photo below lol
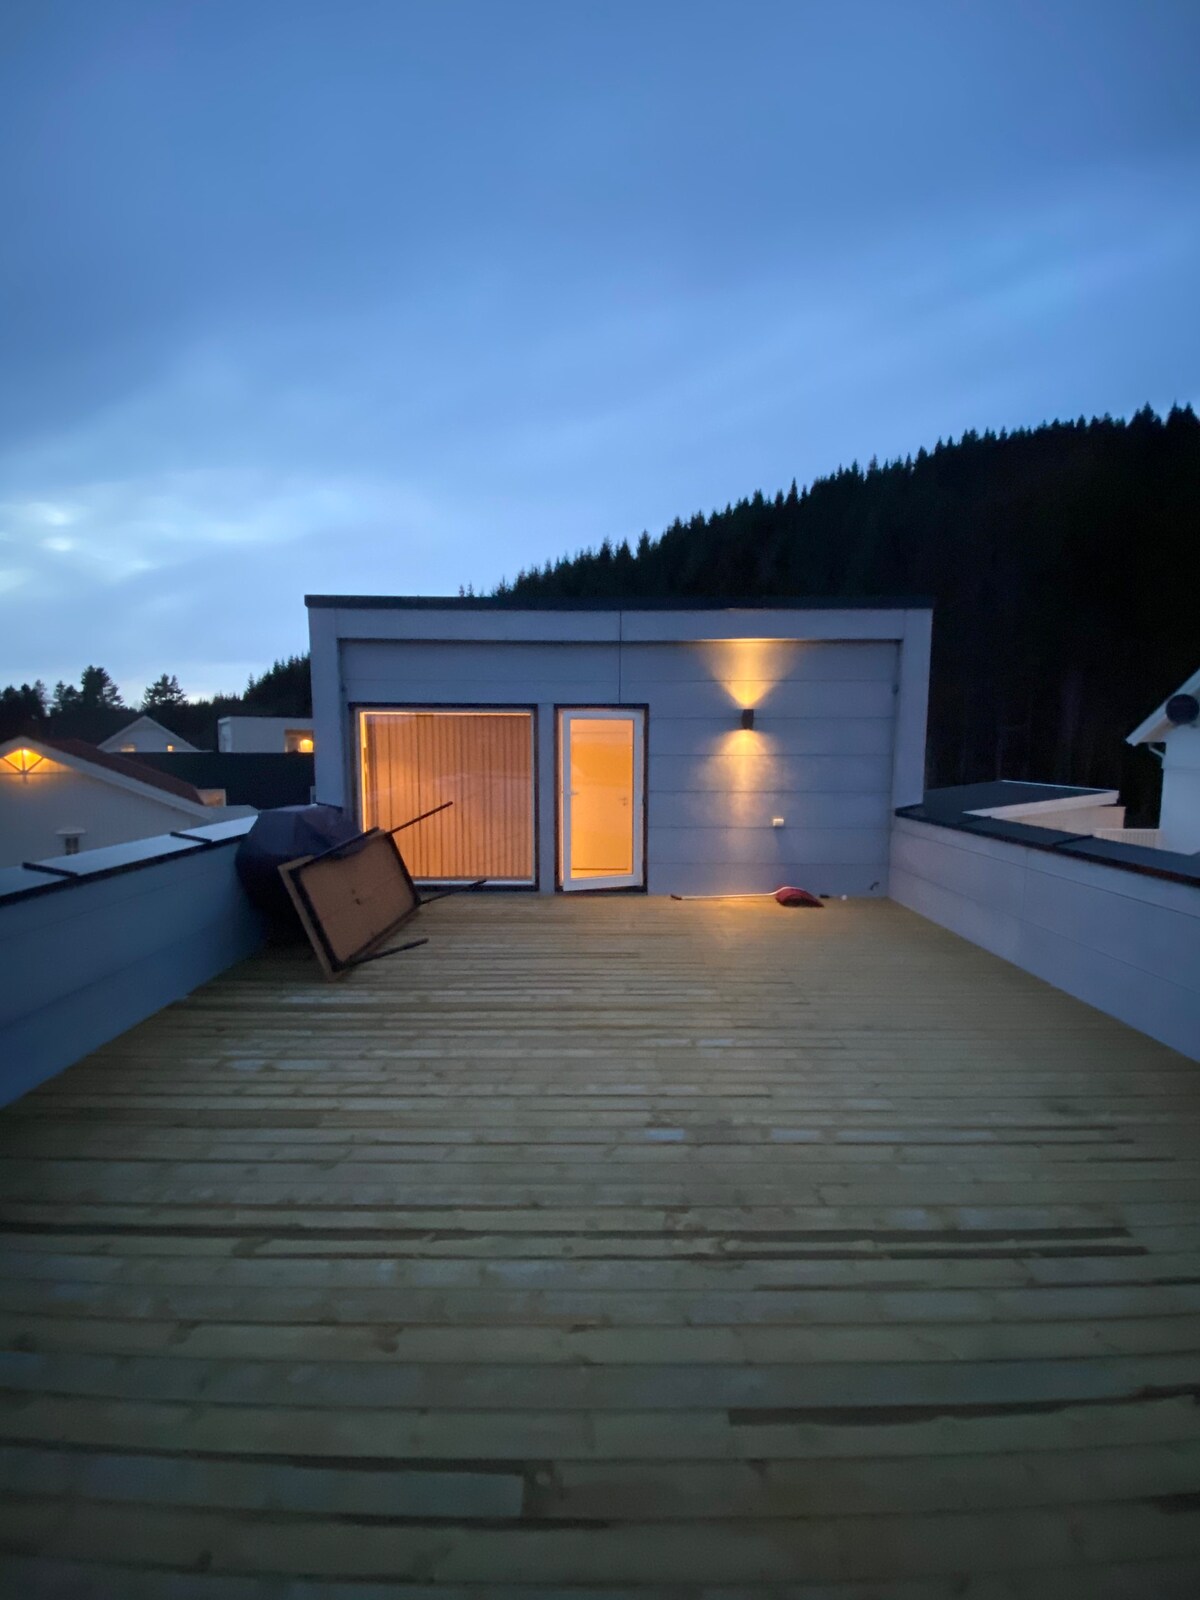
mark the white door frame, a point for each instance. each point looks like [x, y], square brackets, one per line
[562, 778]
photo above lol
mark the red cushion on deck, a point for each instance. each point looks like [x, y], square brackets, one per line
[789, 896]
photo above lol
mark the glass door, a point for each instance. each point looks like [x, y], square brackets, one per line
[601, 778]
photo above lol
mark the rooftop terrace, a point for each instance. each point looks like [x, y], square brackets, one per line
[619, 1246]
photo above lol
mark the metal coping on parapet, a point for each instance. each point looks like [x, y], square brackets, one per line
[433, 602]
[61, 877]
[1146, 861]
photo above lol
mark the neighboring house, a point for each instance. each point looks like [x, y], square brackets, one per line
[60, 796]
[1172, 733]
[141, 735]
[689, 748]
[261, 781]
[265, 735]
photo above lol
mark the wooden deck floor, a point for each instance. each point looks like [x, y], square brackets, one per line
[604, 1247]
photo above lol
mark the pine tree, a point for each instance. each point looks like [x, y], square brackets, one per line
[22, 710]
[66, 698]
[97, 691]
[164, 694]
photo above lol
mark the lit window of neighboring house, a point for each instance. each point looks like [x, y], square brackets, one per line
[297, 742]
[126, 749]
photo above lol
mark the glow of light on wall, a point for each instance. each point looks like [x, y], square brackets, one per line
[741, 742]
[305, 746]
[748, 669]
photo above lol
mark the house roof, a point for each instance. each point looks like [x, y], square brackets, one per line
[438, 602]
[1157, 725]
[91, 755]
[144, 722]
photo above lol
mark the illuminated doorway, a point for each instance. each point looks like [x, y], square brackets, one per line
[601, 799]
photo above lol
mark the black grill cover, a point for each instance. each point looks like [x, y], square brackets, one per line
[282, 835]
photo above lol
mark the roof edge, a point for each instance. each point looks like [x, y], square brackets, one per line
[1156, 726]
[1140, 859]
[80, 752]
[431, 602]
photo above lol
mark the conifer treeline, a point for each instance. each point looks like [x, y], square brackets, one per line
[95, 709]
[1061, 561]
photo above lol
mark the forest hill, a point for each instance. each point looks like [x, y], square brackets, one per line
[1058, 560]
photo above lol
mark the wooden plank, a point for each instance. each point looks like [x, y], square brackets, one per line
[615, 1246]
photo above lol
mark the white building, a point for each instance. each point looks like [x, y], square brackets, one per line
[265, 735]
[60, 796]
[1172, 732]
[684, 748]
[144, 734]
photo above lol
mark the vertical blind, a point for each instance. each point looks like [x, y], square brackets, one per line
[482, 760]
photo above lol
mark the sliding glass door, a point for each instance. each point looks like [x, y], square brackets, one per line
[482, 761]
[601, 777]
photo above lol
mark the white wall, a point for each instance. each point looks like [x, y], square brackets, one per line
[259, 735]
[1124, 942]
[1077, 819]
[822, 754]
[145, 734]
[1179, 813]
[84, 961]
[35, 805]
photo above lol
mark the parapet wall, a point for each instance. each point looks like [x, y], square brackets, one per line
[1124, 940]
[93, 943]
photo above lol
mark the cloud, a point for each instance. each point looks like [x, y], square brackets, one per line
[433, 298]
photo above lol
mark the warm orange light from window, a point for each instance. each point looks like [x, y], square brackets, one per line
[480, 760]
[305, 746]
[601, 797]
[23, 761]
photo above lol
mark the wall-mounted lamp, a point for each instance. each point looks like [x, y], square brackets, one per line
[748, 717]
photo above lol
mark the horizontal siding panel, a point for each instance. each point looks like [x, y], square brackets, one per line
[504, 627]
[382, 692]
[776, 661]
[787, 736]
[770, 700]
[833, 625]
[749, 808]
[989, 879]
[1148, 937]
[1098, 933]
[767, 845]
[987, 926]
[771, 774]
[1149, 1000]
[481, 672]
